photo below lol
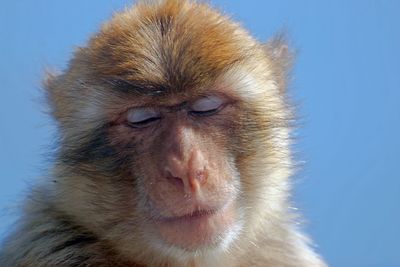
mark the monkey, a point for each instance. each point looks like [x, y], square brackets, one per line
[174, 149]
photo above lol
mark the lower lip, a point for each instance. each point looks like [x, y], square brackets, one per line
[196, 230]
[189, 218]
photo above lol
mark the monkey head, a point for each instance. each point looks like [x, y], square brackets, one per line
[174, 133]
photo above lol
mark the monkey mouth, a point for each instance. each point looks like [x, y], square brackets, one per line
[200, 228]
[195, 215]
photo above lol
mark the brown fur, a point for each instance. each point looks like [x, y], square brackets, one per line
[91, 212]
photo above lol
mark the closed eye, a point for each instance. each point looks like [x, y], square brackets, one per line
[142, 117]
[206, 106]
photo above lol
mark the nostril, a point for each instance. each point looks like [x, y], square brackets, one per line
[175, 180]
[201, 176]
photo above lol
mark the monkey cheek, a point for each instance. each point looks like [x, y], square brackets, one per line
[194, 232]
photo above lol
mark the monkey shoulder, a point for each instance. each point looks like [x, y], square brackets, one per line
[45, 236]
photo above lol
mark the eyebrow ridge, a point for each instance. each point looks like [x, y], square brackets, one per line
[137, 87]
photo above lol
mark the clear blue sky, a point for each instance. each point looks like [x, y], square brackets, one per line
[346, 82]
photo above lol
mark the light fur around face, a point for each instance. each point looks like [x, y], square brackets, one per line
[180, 187]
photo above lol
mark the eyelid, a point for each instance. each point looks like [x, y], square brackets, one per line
[207, 103]
[142, 115]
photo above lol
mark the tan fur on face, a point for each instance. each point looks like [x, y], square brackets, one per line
[106, 190]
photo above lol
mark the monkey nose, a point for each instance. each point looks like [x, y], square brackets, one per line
[190, 183]
[189, 176]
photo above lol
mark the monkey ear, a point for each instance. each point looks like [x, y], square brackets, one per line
[282, 58]
[54, 96]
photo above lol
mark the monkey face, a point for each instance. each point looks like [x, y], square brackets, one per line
[186, 176]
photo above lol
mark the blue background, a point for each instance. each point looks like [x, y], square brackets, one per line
[346, 82]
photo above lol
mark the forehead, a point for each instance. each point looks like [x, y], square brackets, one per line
[172, 47]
